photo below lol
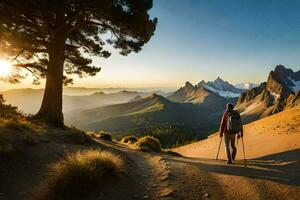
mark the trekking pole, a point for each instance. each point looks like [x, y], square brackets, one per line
[219, 148]
[244, 152]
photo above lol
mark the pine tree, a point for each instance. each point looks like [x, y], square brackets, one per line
[55, 39]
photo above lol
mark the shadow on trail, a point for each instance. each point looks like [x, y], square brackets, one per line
[281, 167]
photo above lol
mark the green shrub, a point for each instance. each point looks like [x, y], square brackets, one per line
[130, 139]
[105, 136]
[147, 143]
[80, 172]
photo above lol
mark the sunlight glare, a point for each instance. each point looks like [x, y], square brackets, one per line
[5, 68]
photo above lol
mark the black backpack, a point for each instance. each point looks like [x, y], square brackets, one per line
[234, 122]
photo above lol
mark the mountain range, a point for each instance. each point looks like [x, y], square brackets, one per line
[191, 111]
[29, 100]
[217, 90]
[279, 92]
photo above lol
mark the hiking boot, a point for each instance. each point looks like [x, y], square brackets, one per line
[233, 154]
[229, 162]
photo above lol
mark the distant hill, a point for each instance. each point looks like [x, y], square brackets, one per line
[154, 115]
[99, 99]
[29, 100]
[281, 91]
[136, 98]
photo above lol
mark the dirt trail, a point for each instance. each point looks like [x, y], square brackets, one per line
[170, 177]
[259, 180]
[163, 177]
[151, 172]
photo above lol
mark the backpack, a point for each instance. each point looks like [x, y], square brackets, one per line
[234, 122]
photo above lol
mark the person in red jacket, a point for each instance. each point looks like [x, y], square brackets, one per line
[229, 137]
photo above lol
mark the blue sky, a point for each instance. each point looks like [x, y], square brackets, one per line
[240, 41]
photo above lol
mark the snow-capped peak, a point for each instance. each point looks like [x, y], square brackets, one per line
[295, 87]
[226, 94]
[223, 88]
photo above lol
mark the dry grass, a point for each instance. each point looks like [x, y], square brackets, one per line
[18, 125]
[148, 143]
[14, 133]
[79, 173]
[130, 139]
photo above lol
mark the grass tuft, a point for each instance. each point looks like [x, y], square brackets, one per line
[105, 136]
[148, 143]
[81, 172]
[130, 139]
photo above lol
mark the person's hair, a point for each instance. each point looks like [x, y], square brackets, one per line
[229, 106]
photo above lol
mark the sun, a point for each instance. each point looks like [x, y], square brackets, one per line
[5, 68]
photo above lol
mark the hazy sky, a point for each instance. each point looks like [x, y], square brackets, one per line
[240, 41]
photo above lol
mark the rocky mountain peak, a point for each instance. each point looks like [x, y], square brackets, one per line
[281, 73]
[273, 96]
[188, 85]
[283, 81]
[201, 83]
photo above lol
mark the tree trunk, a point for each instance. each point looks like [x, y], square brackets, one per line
[51, 108]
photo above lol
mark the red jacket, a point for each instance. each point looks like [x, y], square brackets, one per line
[223, 126]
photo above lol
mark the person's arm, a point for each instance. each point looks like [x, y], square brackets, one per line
[223, 124]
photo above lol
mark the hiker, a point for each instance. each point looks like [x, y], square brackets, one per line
[231, 125]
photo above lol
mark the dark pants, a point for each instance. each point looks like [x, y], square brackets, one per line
[230, 141]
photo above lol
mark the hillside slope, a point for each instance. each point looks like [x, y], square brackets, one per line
[274, 134]
[154, 115]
